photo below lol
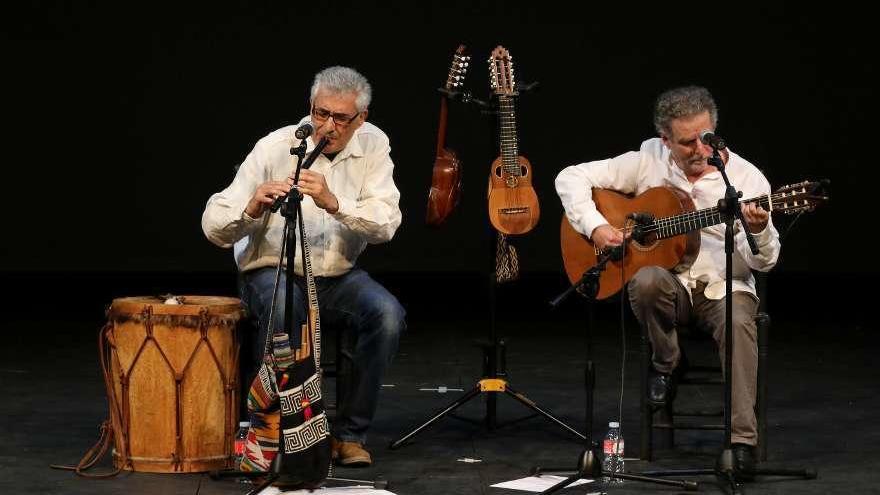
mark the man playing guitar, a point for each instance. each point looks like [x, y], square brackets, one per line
[661, 300]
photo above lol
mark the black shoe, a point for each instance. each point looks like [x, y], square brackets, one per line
[661, 388]
[743, 461]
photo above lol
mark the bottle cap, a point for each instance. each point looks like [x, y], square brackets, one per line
[614, 424]
[244, 424]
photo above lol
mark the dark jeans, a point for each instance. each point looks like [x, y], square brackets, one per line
[353, 302]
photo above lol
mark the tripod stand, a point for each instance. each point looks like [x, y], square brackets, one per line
[493, 382]
[725, 468]
[588, 465]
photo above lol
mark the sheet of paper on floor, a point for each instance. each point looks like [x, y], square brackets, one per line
[336, 490]
[536, 483]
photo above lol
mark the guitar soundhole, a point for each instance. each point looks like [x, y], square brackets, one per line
[648, 243]
[498, 172]
[510, 181]
[523, 171]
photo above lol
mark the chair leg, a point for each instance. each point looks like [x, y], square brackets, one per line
[647, 416]
[763, 323]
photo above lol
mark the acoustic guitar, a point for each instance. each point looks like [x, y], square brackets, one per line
[667, 234]
[513, 204]
[445, 189]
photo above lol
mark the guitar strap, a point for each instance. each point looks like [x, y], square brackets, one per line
[285, 401]
[506, 261]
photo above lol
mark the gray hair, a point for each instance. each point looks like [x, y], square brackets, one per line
[683, 102]
[339, 79]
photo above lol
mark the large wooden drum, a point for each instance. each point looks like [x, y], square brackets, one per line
[172, 380]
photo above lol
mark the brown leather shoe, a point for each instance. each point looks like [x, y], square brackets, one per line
[349, 454]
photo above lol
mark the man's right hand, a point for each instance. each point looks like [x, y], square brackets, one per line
[265, 195]
[606, 236]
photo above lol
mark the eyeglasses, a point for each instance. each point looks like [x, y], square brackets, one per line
[340, 119]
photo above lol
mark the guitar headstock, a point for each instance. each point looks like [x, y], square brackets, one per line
[458, 69]
[801, 196]
[501, 72]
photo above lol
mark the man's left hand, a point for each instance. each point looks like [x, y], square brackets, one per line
[313, 184]
[755, 216]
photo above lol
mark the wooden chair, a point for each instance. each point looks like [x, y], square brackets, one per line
[667, 419]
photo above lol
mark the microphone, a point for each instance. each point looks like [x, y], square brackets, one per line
[712, 139]
[305, 130]
[641, 217]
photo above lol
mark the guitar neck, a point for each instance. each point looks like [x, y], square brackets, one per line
[441, 129]
[507, 132]
[686, 222]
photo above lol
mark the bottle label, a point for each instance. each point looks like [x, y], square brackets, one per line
[608, 446]
[239, 446]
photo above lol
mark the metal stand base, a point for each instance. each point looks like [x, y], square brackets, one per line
[589, 467]
[727, 473]
[279, 480]
[491, 386]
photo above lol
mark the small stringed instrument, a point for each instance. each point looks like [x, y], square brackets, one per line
[671, 238]
[445, 189]
[513, 204]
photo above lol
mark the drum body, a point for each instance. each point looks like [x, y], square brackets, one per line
[172, 379]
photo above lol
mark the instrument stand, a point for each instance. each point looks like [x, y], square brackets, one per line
[725, 469]
[291, 209]
[494, 352]
[589, 466]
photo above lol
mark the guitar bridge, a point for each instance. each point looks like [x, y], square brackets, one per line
[514, 211]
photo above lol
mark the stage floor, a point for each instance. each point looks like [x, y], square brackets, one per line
[822, 410]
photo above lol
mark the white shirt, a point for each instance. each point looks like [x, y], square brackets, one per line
[360, 176]
[652, 166]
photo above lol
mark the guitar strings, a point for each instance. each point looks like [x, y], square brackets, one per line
[673, 225]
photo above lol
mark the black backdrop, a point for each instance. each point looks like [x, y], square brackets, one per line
[122, 120]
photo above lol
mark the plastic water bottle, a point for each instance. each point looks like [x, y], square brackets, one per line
[240, 439]
[612, 461]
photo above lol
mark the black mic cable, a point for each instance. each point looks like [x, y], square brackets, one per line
[627, 224]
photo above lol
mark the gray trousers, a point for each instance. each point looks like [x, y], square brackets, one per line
[661, 305]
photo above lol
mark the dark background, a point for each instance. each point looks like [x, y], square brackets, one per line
[122, 118]
[125, 119]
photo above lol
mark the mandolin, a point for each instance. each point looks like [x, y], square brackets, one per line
[670, 237]
[445, 189]
[513, 204]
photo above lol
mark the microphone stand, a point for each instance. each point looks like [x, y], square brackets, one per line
[589, 465]
[725, 468]
[291, 209]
